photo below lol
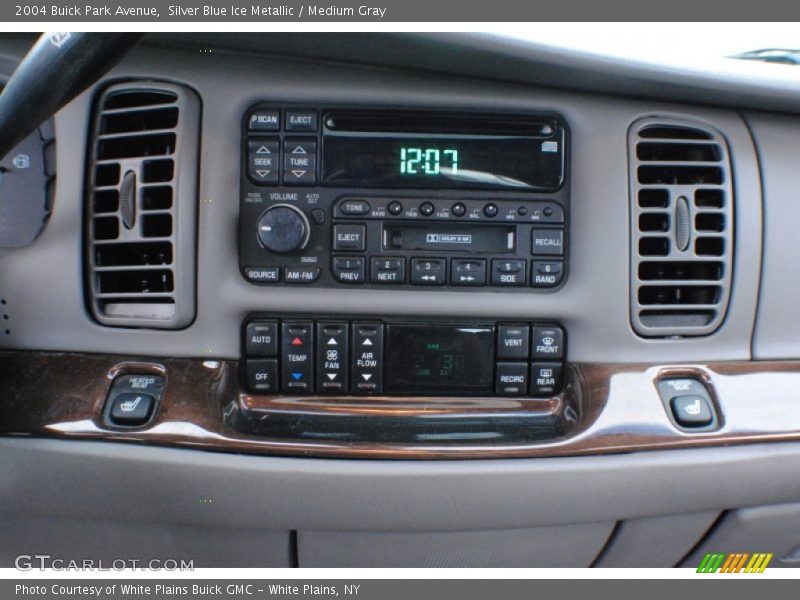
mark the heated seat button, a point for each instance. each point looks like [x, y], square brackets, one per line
[468, 271]
[262, 338]
[297, 350]
[545, 378]
[511, 379]
[692, 411]
[332, 357]
[512, 342]
[262, 375]
[508, 272]
[131, 408]
[548, 343]
[428, 271]
[367, 359]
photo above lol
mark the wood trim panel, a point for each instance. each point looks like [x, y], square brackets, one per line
[606, 408]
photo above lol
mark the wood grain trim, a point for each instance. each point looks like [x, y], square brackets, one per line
[61, 395]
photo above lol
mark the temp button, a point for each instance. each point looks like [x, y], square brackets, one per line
[297, 351]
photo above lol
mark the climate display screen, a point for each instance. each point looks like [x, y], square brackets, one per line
[445, 359]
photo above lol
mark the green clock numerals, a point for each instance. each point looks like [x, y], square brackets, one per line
[427, 161]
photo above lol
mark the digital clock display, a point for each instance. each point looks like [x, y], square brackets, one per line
[442, 161]
[445, 359]
[428, 161]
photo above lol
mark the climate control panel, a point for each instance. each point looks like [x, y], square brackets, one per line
[344, 357]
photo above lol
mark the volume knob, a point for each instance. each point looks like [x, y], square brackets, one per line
[283, 228]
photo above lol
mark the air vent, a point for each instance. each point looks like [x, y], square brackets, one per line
[142, 206]
[682, 228]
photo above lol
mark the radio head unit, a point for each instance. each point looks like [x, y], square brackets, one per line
[415, 199]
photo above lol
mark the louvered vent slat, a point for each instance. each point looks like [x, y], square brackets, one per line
[682, 224]
[142, 205]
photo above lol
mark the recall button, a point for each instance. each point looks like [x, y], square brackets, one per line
[548, 241]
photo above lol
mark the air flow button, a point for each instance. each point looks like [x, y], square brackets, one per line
[367, 365]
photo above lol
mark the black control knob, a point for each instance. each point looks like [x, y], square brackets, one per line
[283, 229]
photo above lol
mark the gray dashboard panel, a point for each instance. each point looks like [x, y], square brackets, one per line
[141, 484]
[43, 284]
[777, 333]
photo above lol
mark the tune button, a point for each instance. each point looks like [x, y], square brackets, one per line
[426, 209]
[458, 210]
[490, 210]
[394, 208]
